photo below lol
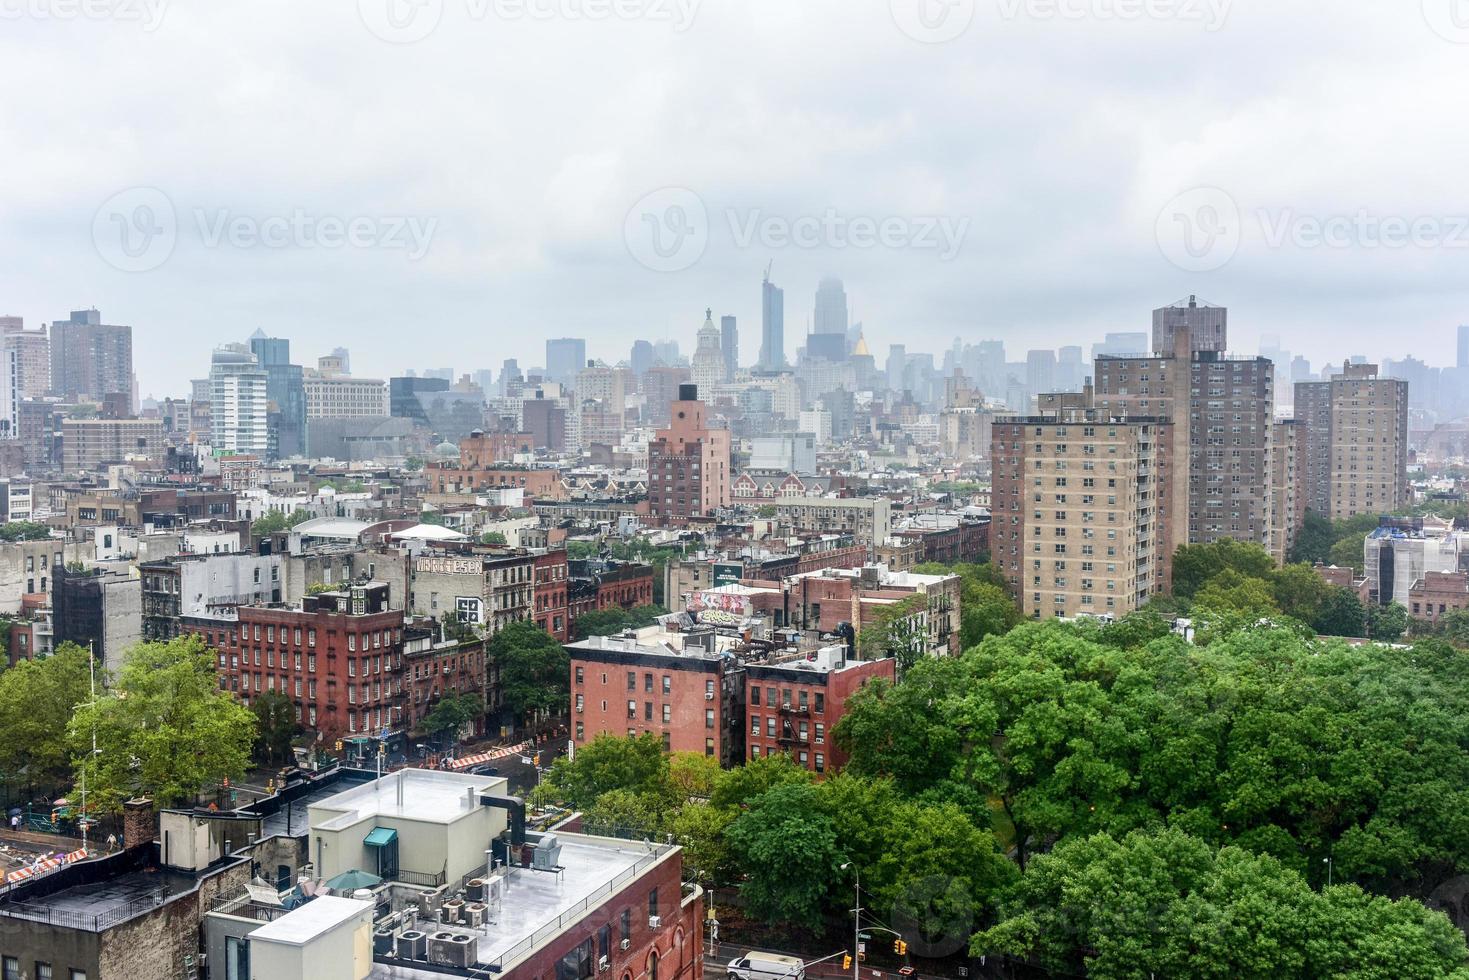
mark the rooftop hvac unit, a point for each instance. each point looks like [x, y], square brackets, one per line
[475, 890]
[458, 949]
[547, 855]
[450, 912]
[382, 942]
[494, 890]
[413, 945]
[473, 914]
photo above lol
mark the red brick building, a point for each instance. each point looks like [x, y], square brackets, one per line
[339, 658]
[688, 465]
[714, 695]
[687, 697]
[597, 585]
[434, 668]
[1437, 594]
[792, 706]
[552, 610]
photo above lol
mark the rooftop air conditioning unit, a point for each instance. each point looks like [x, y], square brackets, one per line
[458, 949]
[413, 945]
[473, 914]
[655, 921]
[494, 888]
[624, 944]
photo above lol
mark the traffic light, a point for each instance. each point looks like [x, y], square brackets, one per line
[339, 745]
[846, 961]
[900, 947]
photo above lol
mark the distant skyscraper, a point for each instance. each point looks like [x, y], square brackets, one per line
[90, 359]
[897, 367]
[665, 352]
[32, 355]
[345, 356]
[772, 325]
[1121, 345]
[509, 375]
[831, 307]
[1040, 372]
[239, 402]
[729, 346]
[1463, 361]
[642, 357]
[1070, 369]
[286, 392]
[565, 356]
[1208, 326]
[708, 362]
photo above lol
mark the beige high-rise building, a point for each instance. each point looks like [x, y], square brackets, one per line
[1081, 523]
[1355, 452]
[32, 356]
[1285, 490]
[1223, 408]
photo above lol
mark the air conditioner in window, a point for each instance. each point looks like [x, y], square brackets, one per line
[708, 695]
[603, 964]
[655, 921]
[624, 944]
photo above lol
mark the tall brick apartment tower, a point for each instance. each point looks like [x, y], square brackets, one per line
[688, 464]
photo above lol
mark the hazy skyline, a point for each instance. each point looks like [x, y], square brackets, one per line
[452, 183]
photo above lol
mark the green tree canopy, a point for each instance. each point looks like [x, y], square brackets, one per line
[453, 712]
[1342, 613]
[164, 728]
[1163, 904]
[275, 722]
[534, 668]
[24, 531]
[1265, 738]
[276, 521]
[610, 622]
[37, 698]
[636, 765]
[1195, 564]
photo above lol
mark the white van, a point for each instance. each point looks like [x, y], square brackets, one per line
[766, 966]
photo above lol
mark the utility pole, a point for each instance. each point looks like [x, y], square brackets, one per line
[856, 922]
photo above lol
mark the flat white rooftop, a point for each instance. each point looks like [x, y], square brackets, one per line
[594, 869]
[423, 795]
[299, 927]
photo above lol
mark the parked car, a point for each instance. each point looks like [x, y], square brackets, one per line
[754, 965]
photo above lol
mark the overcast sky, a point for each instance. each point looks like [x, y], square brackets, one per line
[450, 182]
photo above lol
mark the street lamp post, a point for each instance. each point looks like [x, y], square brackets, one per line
[1327, 861]
[856, 921]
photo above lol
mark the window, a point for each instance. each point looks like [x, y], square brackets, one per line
[647, 710]
[625, 925]
[754, 724]
[10, 968]
[43, 970]
[755, 697]
[667, 684]
[632, 709]
[708, 717]
[709, 746]
[653, 902]
[667, 713]
[820, 734]
[632, 680]
[647, 683]
[579, 675]
[820, 702]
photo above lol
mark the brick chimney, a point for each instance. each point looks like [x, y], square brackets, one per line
[139, 822]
